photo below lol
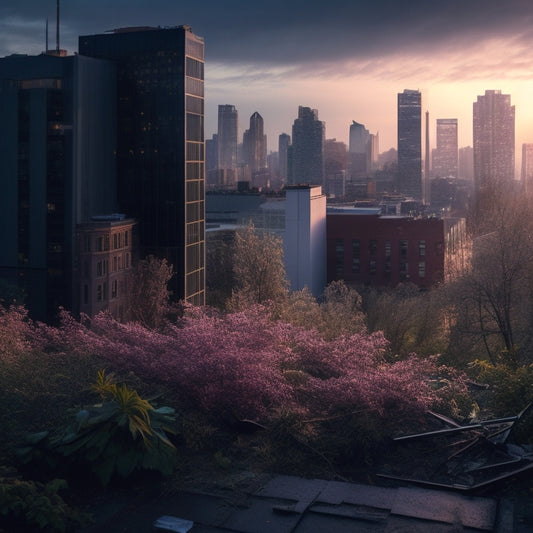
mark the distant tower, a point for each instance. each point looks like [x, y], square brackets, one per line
[426, 183]
[527, 169]
[358, 150]
[255, 144]
[494, 141]
[227, 138]
[410, 143]
[445, 157]
[284, 142]
[308, 137]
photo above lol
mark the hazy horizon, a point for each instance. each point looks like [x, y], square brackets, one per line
[347, 60]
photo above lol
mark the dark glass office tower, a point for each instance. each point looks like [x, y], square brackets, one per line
[160, 144]
[58, 169]
[410, 143]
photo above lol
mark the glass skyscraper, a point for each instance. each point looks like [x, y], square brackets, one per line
[445, 156]
[494, 140]
[160, 144]
[410, 143]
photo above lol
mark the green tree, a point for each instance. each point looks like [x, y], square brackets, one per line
[258, 268]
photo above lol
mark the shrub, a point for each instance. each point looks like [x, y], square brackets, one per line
[121, 435]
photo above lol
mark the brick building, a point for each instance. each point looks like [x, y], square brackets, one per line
[365, 248]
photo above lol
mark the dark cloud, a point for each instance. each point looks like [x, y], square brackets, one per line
[280, 32]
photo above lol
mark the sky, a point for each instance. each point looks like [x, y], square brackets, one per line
[346, 58]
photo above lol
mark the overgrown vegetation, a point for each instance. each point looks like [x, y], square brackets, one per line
[322, 382]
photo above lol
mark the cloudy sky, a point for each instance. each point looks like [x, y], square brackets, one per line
[346, 58]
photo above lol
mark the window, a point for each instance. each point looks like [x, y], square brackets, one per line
[422, 248]
[99, 293]
[403, 248]
[126, 238]
[114, 289]
[356, 265]
[373, 267]
[373, 247]
[422, 269]
[99, 244]
[99, 269]
[339, 257]
[404, 270]
[115, 241]
[387, 249]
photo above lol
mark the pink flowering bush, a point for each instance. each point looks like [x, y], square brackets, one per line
[245, 366]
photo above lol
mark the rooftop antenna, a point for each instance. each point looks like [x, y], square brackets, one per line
[57, 27]
[46, 35]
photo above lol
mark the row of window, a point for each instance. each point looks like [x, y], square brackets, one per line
[102, 291]
[102, 267]
[103, 243]
[373, 247]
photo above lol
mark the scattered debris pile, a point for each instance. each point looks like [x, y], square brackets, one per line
[465, 457]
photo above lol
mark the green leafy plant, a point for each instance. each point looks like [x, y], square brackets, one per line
[34, 506]
[122, 434]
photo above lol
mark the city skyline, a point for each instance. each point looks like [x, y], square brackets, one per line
[348, 61]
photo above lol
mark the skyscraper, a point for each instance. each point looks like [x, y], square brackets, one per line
[57, 151]
[358, 150]
[284, 141]
[445, 156]
[527, 168]
[307, 151]
[494, 140]
[254, 144]
[160, 147]
[410, 143]
[228, 120]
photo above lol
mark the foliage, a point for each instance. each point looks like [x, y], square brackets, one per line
[337, 313]
[258, 268]
[148, 294]
[33, 506]
[494, 298]
[511, 386]
[104, 436]
[411, 320]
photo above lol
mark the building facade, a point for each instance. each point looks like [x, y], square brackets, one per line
[358, 151]
[445, 155]
[494, 141]
[307, 150]
[160, 147]
[284, 141]
[526, 175]
[105, 257]
[375, 250]
[304, 240]
[58, 169]
[228, 123]
[410, 144]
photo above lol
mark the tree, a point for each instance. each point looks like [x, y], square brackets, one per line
[494, 299]
[258, 268]
[148, 294]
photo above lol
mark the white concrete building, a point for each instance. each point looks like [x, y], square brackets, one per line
[305, 238]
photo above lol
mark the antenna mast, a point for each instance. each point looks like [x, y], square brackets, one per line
[46, 35]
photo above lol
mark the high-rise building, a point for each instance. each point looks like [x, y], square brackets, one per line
[307, 151]
[527, 168]
[445, 156]
[254, 144]
[228, 122]
[466, 163]
[410, 143]
[160, 148]
[58, 169]
[284, 142]
[358, 150]
[494, 140]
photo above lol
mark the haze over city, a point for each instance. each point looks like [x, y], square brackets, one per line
[347, 59]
